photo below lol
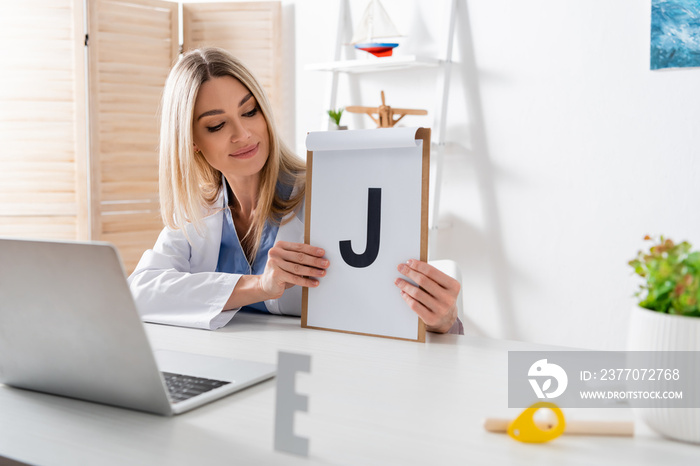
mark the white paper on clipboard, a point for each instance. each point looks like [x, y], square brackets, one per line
[347, 168]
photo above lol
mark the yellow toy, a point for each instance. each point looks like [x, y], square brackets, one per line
[524, 428]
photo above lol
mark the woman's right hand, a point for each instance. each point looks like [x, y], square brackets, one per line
[290, 264]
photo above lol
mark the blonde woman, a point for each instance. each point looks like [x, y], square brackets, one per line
[232, 200]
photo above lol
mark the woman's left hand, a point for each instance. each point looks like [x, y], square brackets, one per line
[435, 297]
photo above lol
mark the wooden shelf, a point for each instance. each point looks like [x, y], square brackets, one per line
[375, 64]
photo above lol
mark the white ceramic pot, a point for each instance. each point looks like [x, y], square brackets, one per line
[656, 331]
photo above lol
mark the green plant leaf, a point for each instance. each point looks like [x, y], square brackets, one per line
[671, 274]
[336, 115]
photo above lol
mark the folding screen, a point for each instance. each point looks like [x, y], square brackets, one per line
[131, 47]
[51, 186]
[43, 185]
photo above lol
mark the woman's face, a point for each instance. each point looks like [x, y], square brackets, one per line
[229, 128]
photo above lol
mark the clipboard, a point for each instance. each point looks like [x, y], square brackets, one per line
[350, 176]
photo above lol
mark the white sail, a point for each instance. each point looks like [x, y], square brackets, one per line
[375, 24]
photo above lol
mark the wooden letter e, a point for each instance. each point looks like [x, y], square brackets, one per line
[288, 401]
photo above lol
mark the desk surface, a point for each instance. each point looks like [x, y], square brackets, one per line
[371, 401]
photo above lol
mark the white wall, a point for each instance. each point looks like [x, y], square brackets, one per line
[566, 151]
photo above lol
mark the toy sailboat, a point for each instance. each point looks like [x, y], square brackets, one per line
[375, 24]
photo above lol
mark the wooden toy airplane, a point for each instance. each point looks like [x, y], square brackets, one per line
[385, 114]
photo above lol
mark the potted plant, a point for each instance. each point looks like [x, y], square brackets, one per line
[667, 318]
[335, 117]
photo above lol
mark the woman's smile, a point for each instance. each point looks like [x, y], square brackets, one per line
[246, 152]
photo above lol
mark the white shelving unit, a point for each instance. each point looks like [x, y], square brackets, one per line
[393, 63]
[375, 64]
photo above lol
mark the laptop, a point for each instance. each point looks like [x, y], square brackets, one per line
[69, 326]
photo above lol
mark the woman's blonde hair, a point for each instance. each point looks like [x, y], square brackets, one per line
[188, 185]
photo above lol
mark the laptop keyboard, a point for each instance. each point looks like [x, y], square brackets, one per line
[183, 387]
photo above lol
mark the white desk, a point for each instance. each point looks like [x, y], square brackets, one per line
[371, 401]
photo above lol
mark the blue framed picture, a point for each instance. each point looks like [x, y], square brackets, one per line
[675, 34]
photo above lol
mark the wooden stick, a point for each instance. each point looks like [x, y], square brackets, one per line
[615, 428]
[410, 111]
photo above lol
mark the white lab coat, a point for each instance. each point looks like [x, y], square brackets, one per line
[175, 283]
